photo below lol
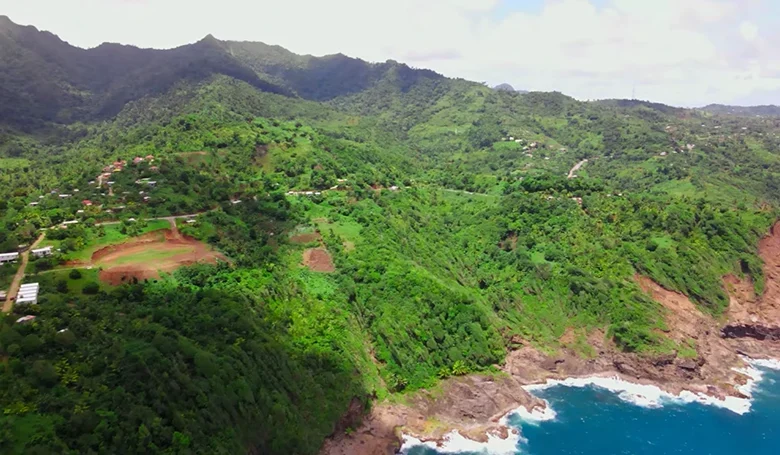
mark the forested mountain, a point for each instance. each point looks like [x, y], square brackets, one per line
[767, 111]
[439, 223]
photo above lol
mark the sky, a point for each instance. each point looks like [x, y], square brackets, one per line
[678, 52]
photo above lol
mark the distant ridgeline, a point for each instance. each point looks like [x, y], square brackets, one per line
[386, 227]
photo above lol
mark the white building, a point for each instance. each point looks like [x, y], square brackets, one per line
[25, 319]
[42, 252]
[8, 257]
[28, 293]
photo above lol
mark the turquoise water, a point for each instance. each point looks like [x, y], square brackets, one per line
[592, 421]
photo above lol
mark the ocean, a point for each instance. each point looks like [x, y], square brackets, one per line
[589, 419]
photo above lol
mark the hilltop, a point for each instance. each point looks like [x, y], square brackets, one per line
[253, 249]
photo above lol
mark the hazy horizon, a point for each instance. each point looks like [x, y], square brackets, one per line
[687, 53]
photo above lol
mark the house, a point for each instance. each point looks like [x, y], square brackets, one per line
[28, 293]
[110, 182]
[63, 196]
[138, 160]
[149, 157]
[154, 168]
[25, 319]
[146, 198]
[518, 141]
[511, 138]
[192, 221]
[663, 153]
[8, 257]
[108, 169]
[151, 183]
[41, 252]
[237, 201]
[3, 296]
[79, 211]
[33, 204]
[67, 223]
[86, 202]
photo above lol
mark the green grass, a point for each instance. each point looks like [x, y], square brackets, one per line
[679, 188]
[687, 349]
[149, 256]
[49, 279]
[347, 229]
[112, 236]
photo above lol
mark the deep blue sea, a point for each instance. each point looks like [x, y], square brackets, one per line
[593, 421]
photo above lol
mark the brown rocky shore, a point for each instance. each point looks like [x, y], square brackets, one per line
[475, 405]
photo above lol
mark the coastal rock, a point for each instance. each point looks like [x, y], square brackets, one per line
[472, 405]
[759, 332]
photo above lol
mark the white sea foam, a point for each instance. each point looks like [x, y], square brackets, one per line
[639, 394]
[645, 395]
[454, 442]
[534, 416]
[772, 364]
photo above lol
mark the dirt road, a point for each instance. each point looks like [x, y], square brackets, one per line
[576, 168]
[17, 281]
[170, 219]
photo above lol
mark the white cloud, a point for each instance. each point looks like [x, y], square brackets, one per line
[748, 30]
[684, 52]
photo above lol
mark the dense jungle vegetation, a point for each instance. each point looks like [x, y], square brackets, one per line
[447, 207]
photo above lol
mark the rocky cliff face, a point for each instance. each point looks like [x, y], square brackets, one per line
[474, 405]
[758, 332]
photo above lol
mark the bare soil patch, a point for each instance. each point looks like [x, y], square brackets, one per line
[306, 238]
[147, 256]
[747, 308]
[682, 316]
[318, 260]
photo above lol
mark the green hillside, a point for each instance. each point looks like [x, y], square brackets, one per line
[459, 219]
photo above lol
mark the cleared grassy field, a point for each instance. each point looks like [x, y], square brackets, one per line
[150, 256]
[112, 235]
[50, 278]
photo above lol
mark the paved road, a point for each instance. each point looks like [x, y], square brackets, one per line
[17, 281]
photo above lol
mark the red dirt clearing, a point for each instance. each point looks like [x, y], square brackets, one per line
[318, 260]
[186, 251]
[306, 238]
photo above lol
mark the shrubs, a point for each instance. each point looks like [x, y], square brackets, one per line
[75, 274]
[91, 288]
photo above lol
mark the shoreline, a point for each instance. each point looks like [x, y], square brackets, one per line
[470, 413]
[635, 393]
